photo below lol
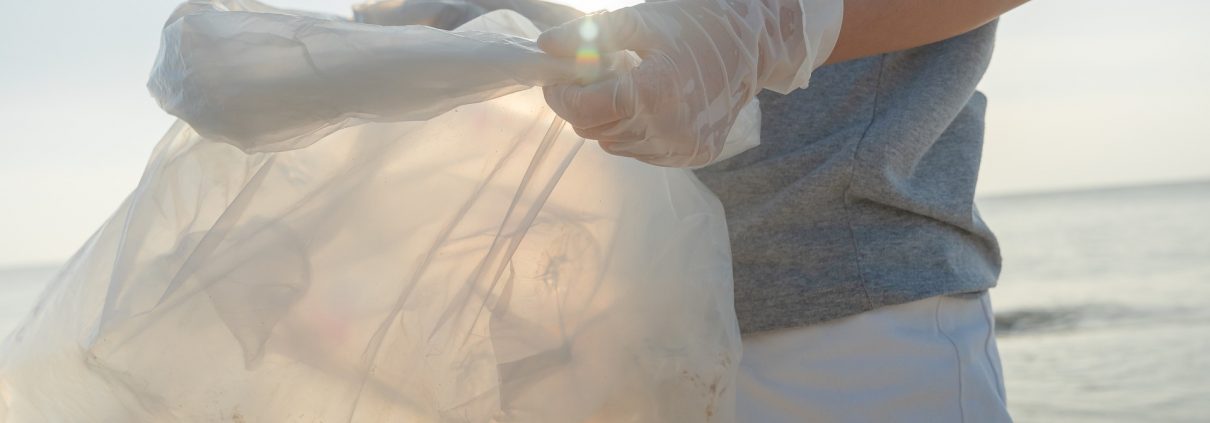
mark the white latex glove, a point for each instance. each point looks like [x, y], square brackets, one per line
[702, 61]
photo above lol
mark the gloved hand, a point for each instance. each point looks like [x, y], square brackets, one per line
[702, 61]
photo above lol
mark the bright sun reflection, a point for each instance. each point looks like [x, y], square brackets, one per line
[588, 56]
[595, 5]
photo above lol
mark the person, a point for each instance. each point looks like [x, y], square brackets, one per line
[861, 262]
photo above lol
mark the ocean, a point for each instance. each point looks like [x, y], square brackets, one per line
[1103, 308]
[1102, 313]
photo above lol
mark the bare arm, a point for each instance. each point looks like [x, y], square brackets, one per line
[880, 26]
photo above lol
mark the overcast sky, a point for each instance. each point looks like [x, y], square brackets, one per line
[1083, 93]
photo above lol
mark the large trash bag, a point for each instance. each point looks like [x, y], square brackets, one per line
[452, 255]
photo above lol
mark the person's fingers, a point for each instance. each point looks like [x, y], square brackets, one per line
[627, 130]
[651, 153]
[595, 104]
[604, 32]
[665, 160]
[623, 149]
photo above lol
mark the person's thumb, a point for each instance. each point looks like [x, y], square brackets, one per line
[597, 33]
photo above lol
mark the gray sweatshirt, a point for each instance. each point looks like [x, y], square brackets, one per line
[861, 194]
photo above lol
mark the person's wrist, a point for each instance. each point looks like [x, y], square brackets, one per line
[821, 21]
[809, 35]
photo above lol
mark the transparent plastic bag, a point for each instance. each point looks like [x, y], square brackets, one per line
[482, 265]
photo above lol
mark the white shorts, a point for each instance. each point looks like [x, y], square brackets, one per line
[933, 360]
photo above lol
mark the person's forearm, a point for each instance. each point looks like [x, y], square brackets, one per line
[881, 26]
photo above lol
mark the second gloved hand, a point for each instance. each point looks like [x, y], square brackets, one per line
[701, 62]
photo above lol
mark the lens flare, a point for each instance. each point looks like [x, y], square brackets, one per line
[588, 56]
[589, 30]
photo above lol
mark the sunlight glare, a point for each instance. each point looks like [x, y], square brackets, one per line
[596, 5]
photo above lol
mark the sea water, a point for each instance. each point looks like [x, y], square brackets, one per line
[1103, 308]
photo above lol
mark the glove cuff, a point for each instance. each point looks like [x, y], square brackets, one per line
[821, 22]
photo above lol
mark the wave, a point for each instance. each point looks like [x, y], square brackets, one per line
[1030, 320]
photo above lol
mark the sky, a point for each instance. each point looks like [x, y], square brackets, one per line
[1083, 93]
